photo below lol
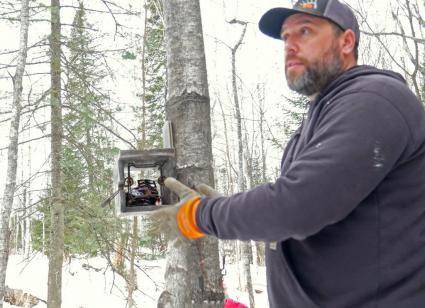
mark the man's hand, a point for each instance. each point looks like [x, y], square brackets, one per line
[178, 221]
[207, 191]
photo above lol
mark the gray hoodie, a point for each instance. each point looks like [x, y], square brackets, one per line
[344, 224]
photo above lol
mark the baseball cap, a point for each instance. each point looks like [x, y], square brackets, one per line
[333, 10]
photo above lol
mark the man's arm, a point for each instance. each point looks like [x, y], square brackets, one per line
[356, 144]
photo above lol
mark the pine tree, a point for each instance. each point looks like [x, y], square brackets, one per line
[153, 93]
[87, 151]
[294, 112]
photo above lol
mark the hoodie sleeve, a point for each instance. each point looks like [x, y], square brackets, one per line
[356, 143]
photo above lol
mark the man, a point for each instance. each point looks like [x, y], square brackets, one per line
[345, 221]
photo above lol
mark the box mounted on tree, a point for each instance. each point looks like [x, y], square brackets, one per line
[138, 178]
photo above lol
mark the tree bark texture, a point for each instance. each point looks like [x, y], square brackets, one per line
[12, 154]
[193, 274]
[56, 245]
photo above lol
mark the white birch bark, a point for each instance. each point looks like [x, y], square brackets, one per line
[193, 273]
[12, 156]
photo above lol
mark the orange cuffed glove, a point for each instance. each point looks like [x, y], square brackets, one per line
[178, 221]
[186, 219]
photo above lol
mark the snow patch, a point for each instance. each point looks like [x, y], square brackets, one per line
[90, 283]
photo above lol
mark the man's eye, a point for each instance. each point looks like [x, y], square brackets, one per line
[305, 31]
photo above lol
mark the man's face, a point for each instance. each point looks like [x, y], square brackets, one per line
[312, 53]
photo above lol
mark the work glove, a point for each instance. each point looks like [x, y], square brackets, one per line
[178, 221]
[207, 191]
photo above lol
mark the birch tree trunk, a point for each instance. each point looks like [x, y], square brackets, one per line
[12, 153]
[56, 245]
[193, 273]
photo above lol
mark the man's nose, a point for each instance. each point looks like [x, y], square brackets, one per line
[291, 46]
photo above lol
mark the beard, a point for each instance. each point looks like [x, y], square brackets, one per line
[317, 74]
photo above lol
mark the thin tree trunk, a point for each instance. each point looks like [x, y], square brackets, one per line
[132, 276]
[89, 159]
[229, 166]
[259, 246]
[193, 273]
[247, 279]
[14, 227]
[22, 220]
[43, 236]
[241, 179]
[262, 112]
[143, 127]
[244, 246]
[12, 153]
[28, 240]
[56, 244]
[121, 248]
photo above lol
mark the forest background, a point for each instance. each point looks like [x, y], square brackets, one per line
[113, 93]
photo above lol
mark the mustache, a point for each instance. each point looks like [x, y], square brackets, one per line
[294, 59]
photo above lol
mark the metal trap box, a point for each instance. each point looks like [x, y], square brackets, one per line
[138, 178]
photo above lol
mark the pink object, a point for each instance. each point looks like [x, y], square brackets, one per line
[230, 303]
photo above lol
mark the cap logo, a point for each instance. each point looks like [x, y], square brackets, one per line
[308, 4]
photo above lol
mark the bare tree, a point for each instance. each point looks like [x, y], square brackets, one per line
[12, 156]
[56, 245]
[229, 166]
[408, 33]
[244, 247]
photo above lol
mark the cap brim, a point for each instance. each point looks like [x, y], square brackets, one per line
[271, 22]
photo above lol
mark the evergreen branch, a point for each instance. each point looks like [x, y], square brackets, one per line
[103, 125]
[90, 86]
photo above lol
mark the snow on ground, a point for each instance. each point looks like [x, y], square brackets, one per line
[90, 283]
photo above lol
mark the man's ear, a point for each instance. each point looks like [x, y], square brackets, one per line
[348, 42]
